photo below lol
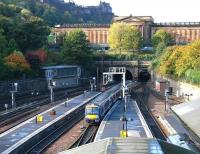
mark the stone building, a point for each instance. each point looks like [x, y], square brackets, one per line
[97, 34]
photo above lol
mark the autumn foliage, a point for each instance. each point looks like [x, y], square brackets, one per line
[17, 62]
[40, 54]
[181, 62]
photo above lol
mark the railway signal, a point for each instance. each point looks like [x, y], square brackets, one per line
[6, 107]
[52, 84]
[93, 83]
[13, 90]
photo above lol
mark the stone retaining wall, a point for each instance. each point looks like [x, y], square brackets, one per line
[181, 89]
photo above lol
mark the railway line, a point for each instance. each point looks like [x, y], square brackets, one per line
[32, 136]
[28, 137]
[21, 100]
[54, 135]
[87, 136]
[15, 117]
[142, 98]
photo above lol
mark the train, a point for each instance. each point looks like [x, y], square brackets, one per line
[97, 109]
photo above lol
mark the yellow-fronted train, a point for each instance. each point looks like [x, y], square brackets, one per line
[97, 109]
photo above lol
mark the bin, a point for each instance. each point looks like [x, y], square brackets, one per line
[39, 118]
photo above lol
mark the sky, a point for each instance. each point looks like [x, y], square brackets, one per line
[160, 10]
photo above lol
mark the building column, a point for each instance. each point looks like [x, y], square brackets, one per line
[198, 33]
[91, 36]
[99, 37]
[193, 34]
[103, 37]
[183, 35]
[178, 36]
[94, 34]
[188, 35]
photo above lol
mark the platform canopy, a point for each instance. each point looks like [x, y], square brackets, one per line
[189, 114]
[128, 145]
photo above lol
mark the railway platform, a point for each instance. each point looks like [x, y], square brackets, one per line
[139, 140]
[111, 124]
[17, 137]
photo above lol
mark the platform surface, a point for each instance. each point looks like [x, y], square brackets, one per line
[111, 125]
[24, 131]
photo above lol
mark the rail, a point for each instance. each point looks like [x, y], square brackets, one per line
[153, 124]
[87, 136]
[20, 114]
[54, 135]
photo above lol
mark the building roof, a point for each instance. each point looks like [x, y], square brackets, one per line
[83, 26]
[133, 18]
[128, 145]
[177, 24]
[190, 115]
[59, 67]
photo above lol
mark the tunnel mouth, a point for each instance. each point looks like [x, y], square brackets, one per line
[144, 75]
[118, 77]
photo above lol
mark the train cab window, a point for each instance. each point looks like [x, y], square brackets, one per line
[92, 110]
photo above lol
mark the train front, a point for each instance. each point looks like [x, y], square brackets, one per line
[92, 114]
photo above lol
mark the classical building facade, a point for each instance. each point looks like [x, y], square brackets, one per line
[97, 34]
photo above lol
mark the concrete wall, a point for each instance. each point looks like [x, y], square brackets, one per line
[181, 88]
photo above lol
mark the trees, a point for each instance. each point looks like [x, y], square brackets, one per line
[123, 36]
[161, 36]
[180, 62]
[22, 28]
[36, 58]
[132, 38]
[34, 34]
[17, 62]
[3, 43]
[76, 48]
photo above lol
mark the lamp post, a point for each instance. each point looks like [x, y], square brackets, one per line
[188, 96]
[166, 98]
[102, 67]
[52, 84]
[124, 117]
[14, 89]
[93, 83]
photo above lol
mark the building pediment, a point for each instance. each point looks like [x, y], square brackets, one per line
[129, 19]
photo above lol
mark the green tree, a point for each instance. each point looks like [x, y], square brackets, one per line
[160, 49]
[12, 46]
[124, 36]
[76, 48]
[3, 44]
[51, 16]
[32, 34]
[132, 38]
[161, 36]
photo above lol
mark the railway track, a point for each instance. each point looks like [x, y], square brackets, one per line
[23, 113]
[87, 136]
[33, 98]
[50, 138]
[142, 99]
